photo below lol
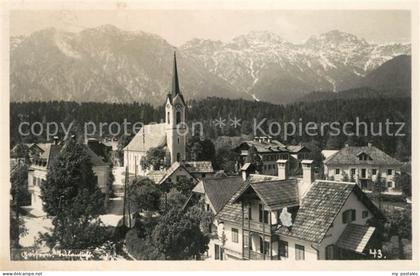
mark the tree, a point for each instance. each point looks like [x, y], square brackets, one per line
[226, 159]
[185, 185]
[403, 182]
[72, 197]
[174, 199]
[178, 236]
[201, 149]
[254, 158]
[154, 158]
[144, 195]
[18, 191]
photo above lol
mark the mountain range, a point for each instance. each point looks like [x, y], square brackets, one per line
[107, 64]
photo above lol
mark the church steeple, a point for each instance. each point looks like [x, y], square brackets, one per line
[175, 83]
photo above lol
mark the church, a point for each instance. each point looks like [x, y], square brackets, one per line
[170, 135]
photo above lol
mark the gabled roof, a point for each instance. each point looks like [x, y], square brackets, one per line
[328, 153]
[265, 147]
[172, 169]
[51, 152]
[349, 156]
[199, 166]
[219, 190]
[149, 136]
[320, 207]
[276, 194]
[355, 237]
[156, 175]
[296, 149]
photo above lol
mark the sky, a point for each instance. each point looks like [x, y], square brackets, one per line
[179, 26]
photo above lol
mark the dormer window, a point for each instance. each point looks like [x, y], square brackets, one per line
[363, 156]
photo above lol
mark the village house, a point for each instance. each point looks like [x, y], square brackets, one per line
[191, 170]
[288, 218]
[37, 173]
[363, 165]
[269, 151]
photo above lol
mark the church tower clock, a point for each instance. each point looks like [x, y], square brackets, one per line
[176, 127]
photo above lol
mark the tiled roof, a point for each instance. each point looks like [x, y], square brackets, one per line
[328, 153]
[173, 168]
[149, 136]
[355, 237]
[199, 166]
[349, 155]
[320, 206]
[266, 147]
[275, 194]
[156, 176]
[295, 149]
[233, 211]
[220, 190]
[318, 210]
[51, 152]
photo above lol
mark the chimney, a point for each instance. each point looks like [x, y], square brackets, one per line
[245, 171]
[282, 169]
[55, 140]
[308, 177]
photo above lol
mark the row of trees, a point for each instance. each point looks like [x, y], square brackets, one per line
[369, 110]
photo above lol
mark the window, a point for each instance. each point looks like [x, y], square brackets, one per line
[329, 252]
[235, 234]
[389, 172]
[178, 140]
[178, 117]
[216, 252]
[246, 240]
[365, 214]
[349, 216]
[249, 213]
[266, 247]
[389, 183]
[374, 171]
[363, 173]
[299, 252]
[34, 181]
[337, 171]
[168, 118]
[263, 214]
[178, 157]
[283, 249]
[353, 171]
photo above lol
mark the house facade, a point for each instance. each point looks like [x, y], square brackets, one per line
[37, 173]
[277, 218]
[269, 151]
[364, 165]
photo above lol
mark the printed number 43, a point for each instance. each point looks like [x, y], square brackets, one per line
[376, 253]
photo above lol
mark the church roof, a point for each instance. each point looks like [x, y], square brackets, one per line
[149, 136]
[175, 82]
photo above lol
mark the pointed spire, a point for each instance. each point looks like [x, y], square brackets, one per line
[175, 83]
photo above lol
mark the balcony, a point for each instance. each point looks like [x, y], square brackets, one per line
[253, 225]
[255, 255]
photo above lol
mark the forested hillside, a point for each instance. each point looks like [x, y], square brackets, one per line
[375, 110]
